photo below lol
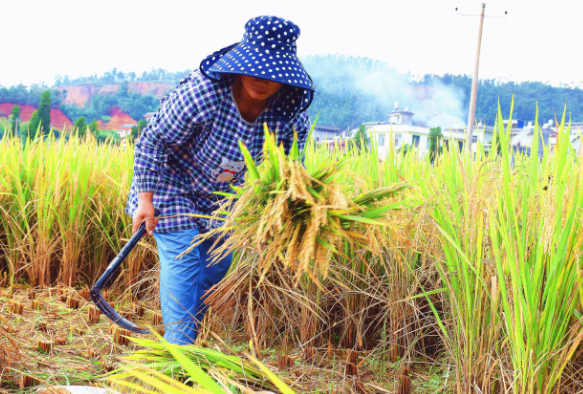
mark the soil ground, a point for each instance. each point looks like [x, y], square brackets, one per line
[82, 352]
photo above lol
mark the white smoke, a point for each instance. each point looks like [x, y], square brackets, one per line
[378, 87]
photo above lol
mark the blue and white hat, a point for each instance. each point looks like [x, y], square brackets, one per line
[267, 51]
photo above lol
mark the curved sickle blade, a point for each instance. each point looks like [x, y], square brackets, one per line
[112, 314]
[95, 292]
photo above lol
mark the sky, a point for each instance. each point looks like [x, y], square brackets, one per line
[537, 41]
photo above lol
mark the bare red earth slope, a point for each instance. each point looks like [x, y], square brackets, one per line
[79, 94]
[58, 119]
[118, 119]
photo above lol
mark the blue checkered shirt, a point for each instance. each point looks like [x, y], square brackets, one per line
[189, 150]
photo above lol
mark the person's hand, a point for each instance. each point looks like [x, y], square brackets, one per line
[145, 211]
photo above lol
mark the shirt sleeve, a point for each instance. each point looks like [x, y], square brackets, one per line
[174, 123]
[302, 125]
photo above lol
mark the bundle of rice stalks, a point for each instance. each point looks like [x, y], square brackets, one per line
[26, 381]
[156, 319]
[351, 363]
[108, 364]
[121, 336]
[92, 353]
[138, 309]
[72, 302]
[209, 368]
[31, 294]
[285, 362]
[42, 326]
[44, 345]
[16, 307]
[298, 219]
[404, 385]
[84, 293]
[63, 293]
[93, 315]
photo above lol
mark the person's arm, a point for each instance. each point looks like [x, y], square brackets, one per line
[173, 124]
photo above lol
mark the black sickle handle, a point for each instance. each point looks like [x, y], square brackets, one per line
[123, 254]
[95, 292]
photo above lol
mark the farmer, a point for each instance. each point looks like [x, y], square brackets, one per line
[190, 150]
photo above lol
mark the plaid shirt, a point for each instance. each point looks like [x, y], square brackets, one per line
[189, 150]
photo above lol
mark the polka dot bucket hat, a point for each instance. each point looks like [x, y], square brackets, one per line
[267, 51]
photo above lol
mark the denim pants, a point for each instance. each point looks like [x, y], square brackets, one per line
[184, 282]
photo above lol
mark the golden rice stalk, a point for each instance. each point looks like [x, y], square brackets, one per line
[156, 319]
[44, 345]
[16, 307]
[120, 336]
[93, 315]
[72, 302]
[301, 220]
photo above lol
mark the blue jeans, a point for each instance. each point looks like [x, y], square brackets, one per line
[184, 282]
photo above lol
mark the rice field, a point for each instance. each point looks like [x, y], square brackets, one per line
[463, 275]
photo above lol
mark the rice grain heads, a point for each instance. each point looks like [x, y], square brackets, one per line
[299, 219]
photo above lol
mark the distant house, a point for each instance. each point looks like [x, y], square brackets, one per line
[125, 130]
[400, 131]
[523, 138]
[148, 116]
[576, 143]
[326, 133]
[3, 115]
[517, 124]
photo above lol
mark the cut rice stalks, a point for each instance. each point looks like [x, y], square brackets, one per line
[298, 219]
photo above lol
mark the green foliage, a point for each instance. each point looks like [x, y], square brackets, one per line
[361, 140]
[44, 111]
[93, 126]
[15, 111]
[137, 130]
[34, 124]
[435, 137]
[114, 76]
[22, 95]
[14, 117]
[81, 126]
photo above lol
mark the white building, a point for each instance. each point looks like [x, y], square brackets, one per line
[576, 142]
[401, 129]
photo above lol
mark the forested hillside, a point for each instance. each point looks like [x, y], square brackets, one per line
[350, 91]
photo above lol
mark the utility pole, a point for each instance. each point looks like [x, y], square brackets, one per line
[474, 95]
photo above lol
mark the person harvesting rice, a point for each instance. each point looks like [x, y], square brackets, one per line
[190, 150]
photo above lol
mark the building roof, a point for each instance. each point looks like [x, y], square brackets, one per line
[401, 112]
[128, 126]
[328, 129]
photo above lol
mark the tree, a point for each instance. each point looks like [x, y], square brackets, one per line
[14, 117]
[137, 130]
[44, 111]
[360, 139]
[81, 126]
[93, 126]
[34, 124]
[435, 138]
